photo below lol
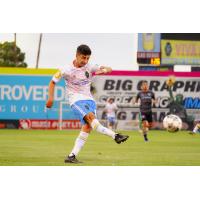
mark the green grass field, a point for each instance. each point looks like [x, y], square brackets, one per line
[48, 148]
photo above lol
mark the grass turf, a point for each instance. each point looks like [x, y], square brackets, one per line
[48, 148]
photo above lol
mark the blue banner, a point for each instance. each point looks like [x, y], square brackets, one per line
[24, 97]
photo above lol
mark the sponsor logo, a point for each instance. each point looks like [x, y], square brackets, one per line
[87, 74]
[58, 75]
[168, 49]
[49, 124]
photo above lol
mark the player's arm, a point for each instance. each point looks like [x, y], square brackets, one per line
[154, 100]
[136, 100]
[56, 78]
[103, 70]
[170, 82]
[49, 102]
[116, 107]
[132, 101]
[105, 110]
[170, 93]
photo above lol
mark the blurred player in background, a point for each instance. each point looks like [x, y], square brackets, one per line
[147, 99]
[176, 105]
[78, 78]
[110, 110]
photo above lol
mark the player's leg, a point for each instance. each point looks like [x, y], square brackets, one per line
[196, 129]
[145, 128]
[83, 135]
[81, 139]
[148, 123]
[79, 143]
[91, 119]
[144, 125]
[110, 123]
[140, 122]
[86, 111]
[113, 123]
[150, 119]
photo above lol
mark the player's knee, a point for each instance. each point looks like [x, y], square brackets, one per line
[150, 125]
[145, 129]
[86, 128]
[94, 124]
[89, 117]
[111, 123]
[145, 126]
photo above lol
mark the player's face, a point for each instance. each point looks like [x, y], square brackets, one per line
[145, 86]
[111, 101]
[82, 60]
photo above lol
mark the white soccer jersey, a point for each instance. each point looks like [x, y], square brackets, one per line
[77, 80]
[111, 109]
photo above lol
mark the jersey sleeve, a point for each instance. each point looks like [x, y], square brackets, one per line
[61, 73]
[93, 68]
[57, 76]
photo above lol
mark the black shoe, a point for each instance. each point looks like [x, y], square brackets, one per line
[120, 138]
[145, 138]
[72, 159]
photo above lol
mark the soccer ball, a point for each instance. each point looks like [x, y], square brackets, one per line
[172, 123]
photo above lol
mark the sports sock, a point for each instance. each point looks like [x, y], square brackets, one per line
[102, 129]
[196, 129]
[79, 143]
[145, 136]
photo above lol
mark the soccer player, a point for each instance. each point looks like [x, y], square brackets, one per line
[176, 104]
[78, 78]
[147, 98]
[111, 109]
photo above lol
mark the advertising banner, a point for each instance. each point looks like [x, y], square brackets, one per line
[124, 86]
[180, 52]
[24, 97]
[49, 124]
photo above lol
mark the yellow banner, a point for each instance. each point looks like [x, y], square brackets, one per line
[180, 52]
[31, 71]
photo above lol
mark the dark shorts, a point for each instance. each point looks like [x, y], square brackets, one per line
[146, 116]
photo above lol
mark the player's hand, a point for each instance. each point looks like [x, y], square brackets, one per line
[49, 103]
[103, 70]
[170, 81]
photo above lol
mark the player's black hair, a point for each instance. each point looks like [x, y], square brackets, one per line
[84, 50]
[144, 81]
[112, 99]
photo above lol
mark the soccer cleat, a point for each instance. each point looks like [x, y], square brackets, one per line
[146, 138]
[120, 138]
[72, 159]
